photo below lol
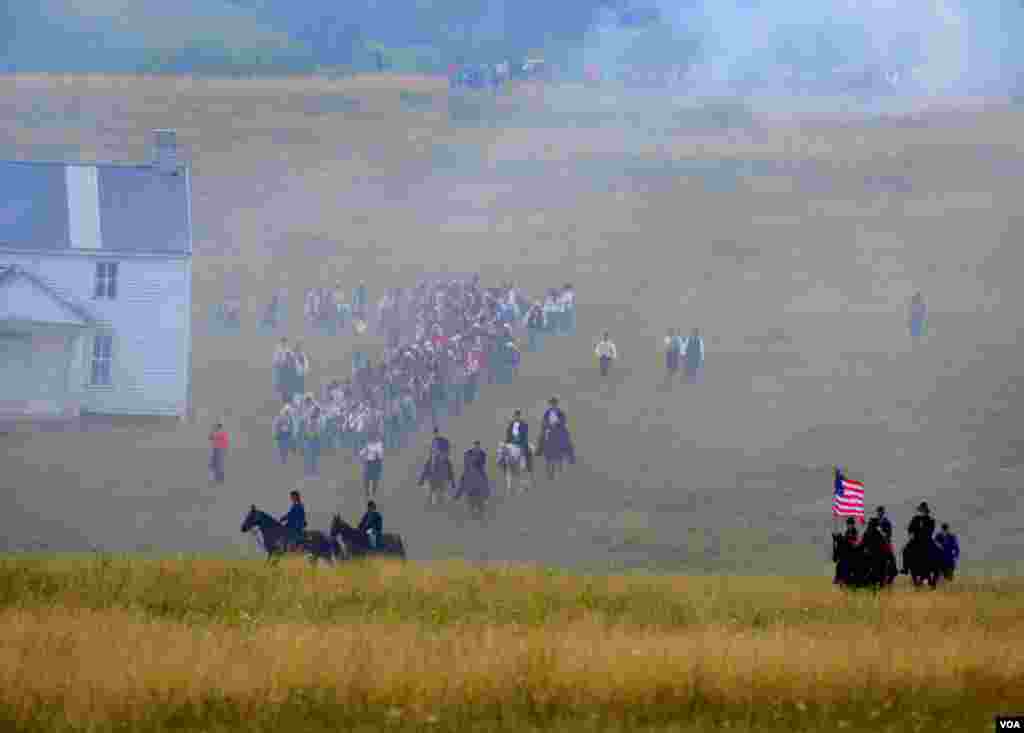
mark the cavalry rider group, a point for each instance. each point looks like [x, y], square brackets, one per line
[555, 440]
[877, 541]
[369, 531]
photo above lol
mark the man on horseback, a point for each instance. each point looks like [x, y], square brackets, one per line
[518, 433]
[878, 568]
[371, 525]
[438, 469]
[845, 548]
[295, 520]
[439, 446]
[475, 485]
[921, 530]
[555, 442]
[885, 527]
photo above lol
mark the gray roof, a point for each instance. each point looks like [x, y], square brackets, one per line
[140, 208]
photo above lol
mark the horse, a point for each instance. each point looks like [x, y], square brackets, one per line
[512, 460]
[863, 565]
[556, 447]
[354, 542]
[276, 539]
[923, 562]
[438, 472]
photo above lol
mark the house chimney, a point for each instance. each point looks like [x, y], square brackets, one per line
[165, 151]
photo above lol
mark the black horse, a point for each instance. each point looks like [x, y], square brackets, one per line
[860, 565]
[923, 562]
[355, 545]
[277, 539]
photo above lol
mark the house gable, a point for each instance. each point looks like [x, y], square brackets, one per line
[27, 297]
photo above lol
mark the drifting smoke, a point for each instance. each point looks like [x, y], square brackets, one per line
[920, 46]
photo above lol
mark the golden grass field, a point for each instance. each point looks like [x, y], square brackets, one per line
[119, 643]
[800, 290]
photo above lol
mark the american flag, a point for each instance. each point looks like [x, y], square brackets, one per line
[848, 499]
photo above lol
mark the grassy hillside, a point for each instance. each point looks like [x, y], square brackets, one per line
[118, 35]
[799, 275]
[206, 644]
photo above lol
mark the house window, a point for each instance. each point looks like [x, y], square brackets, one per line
[102, 356]
[106, 280]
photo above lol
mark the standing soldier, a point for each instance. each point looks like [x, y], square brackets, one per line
[535, 327]
[673, 350]
[218, 448]
[284, 371]
[918, 316]
[569, 304]
[311, 437]
[360, 300]
[301, 360]
[342, 309]
[283, 432]
[373, 465]
[694, 351]
[606, 353]
[950, 547]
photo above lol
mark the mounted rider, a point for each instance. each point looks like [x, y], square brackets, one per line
[555, 424]
[474, 484]
[518, 433]
[295, 520]
[921, 530]
[846, 545]
[885, 527]
[440, 456]
[371, 526]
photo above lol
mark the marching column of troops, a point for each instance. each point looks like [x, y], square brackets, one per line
[457, 334]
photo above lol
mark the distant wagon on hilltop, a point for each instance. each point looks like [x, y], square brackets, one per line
[96, 286]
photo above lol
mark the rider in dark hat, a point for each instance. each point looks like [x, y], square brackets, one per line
[848, 542]
[921, 530]
[884, 524]
[372, 524]
[518, 433]
[295, 519]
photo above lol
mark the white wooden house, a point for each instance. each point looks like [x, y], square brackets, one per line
[96, 286]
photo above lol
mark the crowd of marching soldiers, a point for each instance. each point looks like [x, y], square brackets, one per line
[459, 335]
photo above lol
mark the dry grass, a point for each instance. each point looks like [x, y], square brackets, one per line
[144, 644]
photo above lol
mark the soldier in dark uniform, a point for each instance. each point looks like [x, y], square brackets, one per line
[885, 527]
[847, 544]
[921, 530]
[372, 525]
[875, 545]
[295, 520]
[518, 433]
[475, 485]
